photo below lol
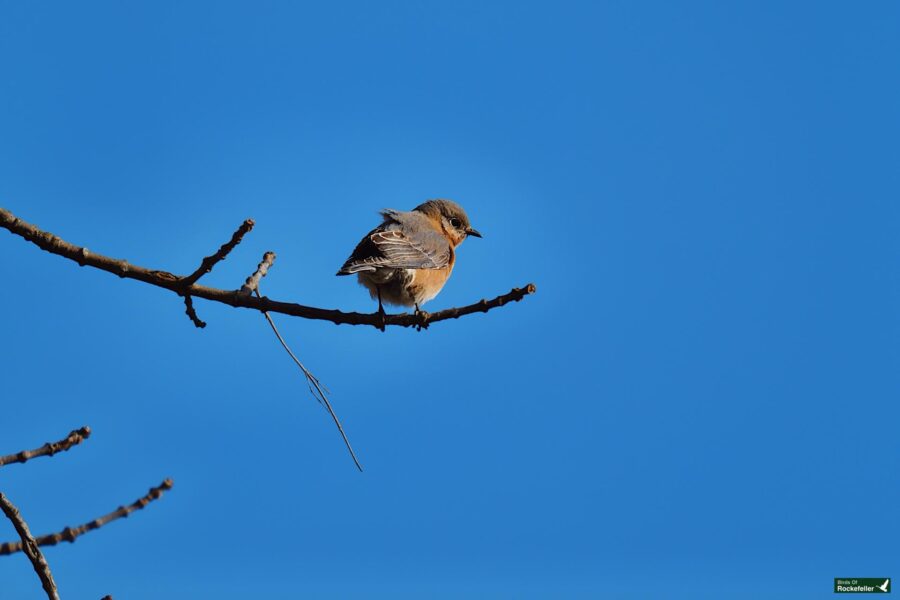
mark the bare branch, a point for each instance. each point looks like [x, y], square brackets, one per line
[207, 265]
[191, 313]
[49, 449]
[69, 533]
[50, 243]
[424, 319]
[210, 261]
[319, 393]
[262, 269]
[31, 547]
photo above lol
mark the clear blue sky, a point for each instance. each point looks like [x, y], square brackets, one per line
[699, 402]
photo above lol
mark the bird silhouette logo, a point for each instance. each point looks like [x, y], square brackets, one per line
[884, 587]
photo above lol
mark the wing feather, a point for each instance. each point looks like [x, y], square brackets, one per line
[395, 249]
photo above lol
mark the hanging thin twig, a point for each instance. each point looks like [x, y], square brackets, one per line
[318, 391]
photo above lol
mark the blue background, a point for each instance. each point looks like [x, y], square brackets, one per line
[704, 387]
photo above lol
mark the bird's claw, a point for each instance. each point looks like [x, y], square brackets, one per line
[422, 317]
[383, 315]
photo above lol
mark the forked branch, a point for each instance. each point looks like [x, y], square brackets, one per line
[210, 261]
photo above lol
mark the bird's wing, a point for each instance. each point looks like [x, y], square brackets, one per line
[397, 247]
[419, 250]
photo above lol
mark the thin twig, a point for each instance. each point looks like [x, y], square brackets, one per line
[262, 269]
[206, 265]
[50, 243]
[210, 261]
[31, 547]
[320, 393]
[49, 449]
[70, 533]
[191, 313]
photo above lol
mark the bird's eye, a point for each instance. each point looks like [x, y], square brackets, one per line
[455, 222]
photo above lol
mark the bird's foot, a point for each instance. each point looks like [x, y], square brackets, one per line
[383, 315]
[422, 317]
[381, 311]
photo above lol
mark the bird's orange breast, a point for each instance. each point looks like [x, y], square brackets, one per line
[426, 283]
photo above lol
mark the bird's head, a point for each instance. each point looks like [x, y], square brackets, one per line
[453, 219]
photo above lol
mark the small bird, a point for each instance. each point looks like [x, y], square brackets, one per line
[884, 586]
[409, 257]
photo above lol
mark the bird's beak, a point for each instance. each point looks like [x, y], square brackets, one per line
[474, 232]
